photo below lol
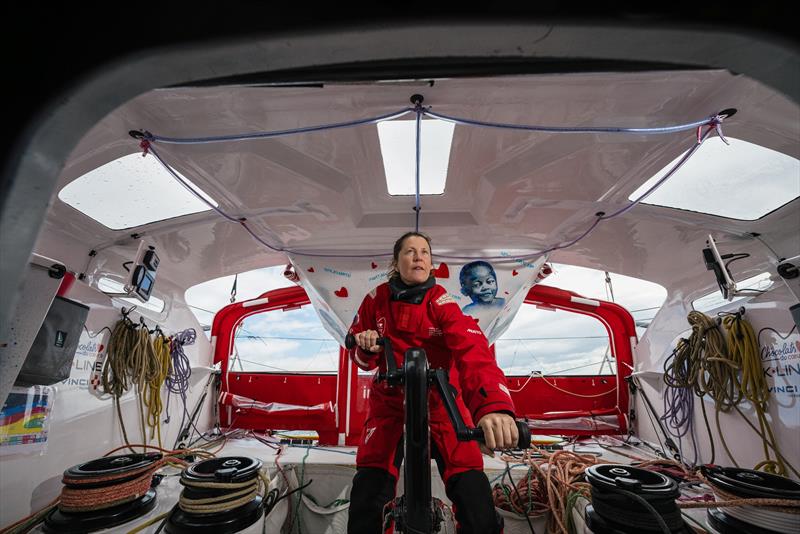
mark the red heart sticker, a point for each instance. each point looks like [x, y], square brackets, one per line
[514, 272]
[311, 269]
[374, 265]
[506, 292]
[100, 349]
[341, 292]
[442, 271]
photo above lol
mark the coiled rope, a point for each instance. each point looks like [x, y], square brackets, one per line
[726, 499]
[83, 499]
[80, 495]
[136, 360]
[233, 494]
[555, 479]
[132, 361]
[729, 371]
[527, 497]
[180, 369]
[743, 349]
[615, 504]
[152, 393]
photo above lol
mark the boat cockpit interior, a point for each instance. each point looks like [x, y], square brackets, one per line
[190, 233]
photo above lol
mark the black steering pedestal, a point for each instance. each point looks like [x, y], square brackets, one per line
[414, 511]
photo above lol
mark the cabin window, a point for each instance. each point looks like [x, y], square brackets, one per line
[398, 141]
[554, 342]
[277, 341]
[714, 300]
[132, 191]
[741, 181]
[561, 342]
[207, 298]
[641, 298]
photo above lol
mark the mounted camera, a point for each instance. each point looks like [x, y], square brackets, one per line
[789, 270]
[713, 261]
[143, 272]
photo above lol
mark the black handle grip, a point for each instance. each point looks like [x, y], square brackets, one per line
[524, 441]
[350, 341]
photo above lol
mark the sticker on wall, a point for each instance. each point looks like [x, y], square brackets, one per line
[25, 420]
[780, 360]
[90, 348]
[95, 378]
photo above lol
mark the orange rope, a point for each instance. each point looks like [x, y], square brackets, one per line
[76, 499]
[558, 473]
[529, 498]
[132, 487]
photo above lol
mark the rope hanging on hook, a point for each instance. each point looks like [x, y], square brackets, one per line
[727, 370]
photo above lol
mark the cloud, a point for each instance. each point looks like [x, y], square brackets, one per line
[562, 342]
[214, 295]
[630, 293]
[286, 354]
[551, 357]
[538, 351]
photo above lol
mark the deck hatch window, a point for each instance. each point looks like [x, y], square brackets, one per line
[741, 181]
[398, 148]
[132, 191]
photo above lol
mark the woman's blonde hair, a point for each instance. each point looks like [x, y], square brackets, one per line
[398, 246]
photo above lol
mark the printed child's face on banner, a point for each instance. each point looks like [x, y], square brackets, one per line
[481, 284]
[489, 291]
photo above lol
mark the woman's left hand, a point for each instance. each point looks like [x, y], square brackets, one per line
[499, 432]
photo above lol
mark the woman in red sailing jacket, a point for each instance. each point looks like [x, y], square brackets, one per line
[412, 311]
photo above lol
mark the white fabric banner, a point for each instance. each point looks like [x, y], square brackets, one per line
[489, 290]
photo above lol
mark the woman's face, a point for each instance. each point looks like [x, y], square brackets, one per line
[414, 261]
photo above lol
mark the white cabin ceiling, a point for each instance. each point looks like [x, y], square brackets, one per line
[326, 191]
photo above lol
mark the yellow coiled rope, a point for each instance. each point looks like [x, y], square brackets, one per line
[135, 359]
[729, 371]
[743, 349]
[152, 393]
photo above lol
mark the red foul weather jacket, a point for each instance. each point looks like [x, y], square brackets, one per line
[451, 341]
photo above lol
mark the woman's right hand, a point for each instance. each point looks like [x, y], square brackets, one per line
[368, 341]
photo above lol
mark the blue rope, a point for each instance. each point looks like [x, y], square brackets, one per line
[713, 122]
[679, 418]
[672, 171]
[177, 380]
[266, 135]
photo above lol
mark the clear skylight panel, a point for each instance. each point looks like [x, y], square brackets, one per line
[132, 191]
[398, 148]
[741, 181]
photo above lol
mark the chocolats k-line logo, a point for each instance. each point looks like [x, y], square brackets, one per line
[781, 363]
[787, 350]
